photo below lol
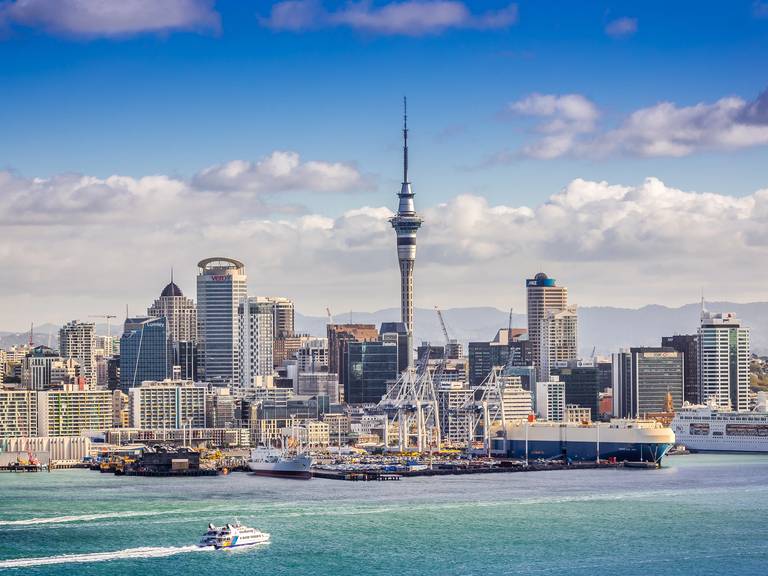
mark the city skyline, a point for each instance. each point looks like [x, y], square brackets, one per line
[591, 177]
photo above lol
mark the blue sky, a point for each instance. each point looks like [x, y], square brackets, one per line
[231, 82]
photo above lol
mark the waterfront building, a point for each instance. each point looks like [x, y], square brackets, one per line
[339, 427]
[688, 346]
[643, 378]
[406, 223]
[517, 401]
[220, 408]
[582, 383]
[255, 339]
[371, 367]
[724, 355]
[18, 413]
[221, 285]
[76, 340]
[542, 294]
[36, 368]
[557, 339]
[167, 404]
[144, 351]
[455, 424]
[550, 400]
[72, 412]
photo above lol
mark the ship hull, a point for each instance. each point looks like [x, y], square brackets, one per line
[707, 430]
[274, 473]
[582, 451]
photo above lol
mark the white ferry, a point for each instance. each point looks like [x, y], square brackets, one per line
[233, 536]
[706, 428]
[274, 462]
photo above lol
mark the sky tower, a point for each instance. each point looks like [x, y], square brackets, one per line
[406, 223]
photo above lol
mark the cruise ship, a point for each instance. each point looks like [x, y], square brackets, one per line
[273, 462]
[624, 440]
[705, 428]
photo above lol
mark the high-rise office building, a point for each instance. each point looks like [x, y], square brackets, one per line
[688, 346]
[181, 317]
[557, 339]
[283, 315]
[398, 331]
[724, 353]
[642, 380]
[508, 348]
[145, 353]
[550, 400]
[255, 339]
[581, 380]
[36, 368]
[221, 285]
[76, 341]
[371, 367]
[406, 223]
[339, 337]
[542, 294]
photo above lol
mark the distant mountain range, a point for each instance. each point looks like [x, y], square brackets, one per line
[605, 328]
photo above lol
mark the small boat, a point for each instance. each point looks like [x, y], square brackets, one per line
[237, 535]
[209, 538]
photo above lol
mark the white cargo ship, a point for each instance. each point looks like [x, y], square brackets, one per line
[624, 440]
[705, 428]
[273, 462]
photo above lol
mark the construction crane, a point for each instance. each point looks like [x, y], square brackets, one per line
[328, 312]
[442, 324]
[108, 318]
[509, 326]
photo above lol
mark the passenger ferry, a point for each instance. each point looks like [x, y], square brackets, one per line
[706, 428]
[232, 536]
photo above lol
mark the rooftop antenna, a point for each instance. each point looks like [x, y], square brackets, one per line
[405, 139]
[31, 334]
[703, 305]
[171, 274]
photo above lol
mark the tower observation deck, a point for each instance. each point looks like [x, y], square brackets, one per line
[406, 223]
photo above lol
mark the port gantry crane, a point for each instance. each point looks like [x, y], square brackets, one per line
[411, 407]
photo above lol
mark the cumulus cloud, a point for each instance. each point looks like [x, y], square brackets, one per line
[664, 129]
[408, 17]
[110, 18]
[280, 171]
[621, 27]
[76, 245]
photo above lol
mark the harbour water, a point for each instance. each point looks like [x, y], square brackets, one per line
[700, 514]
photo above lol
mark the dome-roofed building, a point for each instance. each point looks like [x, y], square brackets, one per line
[181, 315]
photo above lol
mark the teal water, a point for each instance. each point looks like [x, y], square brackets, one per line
[701, 514]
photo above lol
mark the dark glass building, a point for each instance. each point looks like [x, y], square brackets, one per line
[145, 352]
[642, 379]
[582, 386]
[371, 366]
[688, 346]
[398, 332]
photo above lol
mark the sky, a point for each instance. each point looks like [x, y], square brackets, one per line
[621, 147]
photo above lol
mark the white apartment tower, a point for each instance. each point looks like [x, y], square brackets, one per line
[221, 286]
[76, 340]
[255, 339]
[724, 355]
[557, 339]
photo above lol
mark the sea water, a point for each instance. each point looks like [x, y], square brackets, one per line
[699, 514]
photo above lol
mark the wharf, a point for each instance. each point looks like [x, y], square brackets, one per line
[169, 473]
[379, 475]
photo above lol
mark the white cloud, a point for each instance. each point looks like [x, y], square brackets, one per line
[110, 18]
[664, 129]
[75, 245]
[621, 27]
[280, 171]
[408, 17]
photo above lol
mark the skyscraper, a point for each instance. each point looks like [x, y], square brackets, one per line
[542, 294]
[181, 316]
[256, 338]
[76, 341]
[406, 223]
[724, 361]
[643, 378]
[557, 339]
[145, 352]
[688, 345]
[221, 285]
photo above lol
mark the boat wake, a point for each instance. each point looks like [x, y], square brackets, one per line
[80, 518]
[146, 552]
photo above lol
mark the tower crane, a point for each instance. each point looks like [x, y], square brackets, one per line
[108, 318]
[328, 312]
[442, 324]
